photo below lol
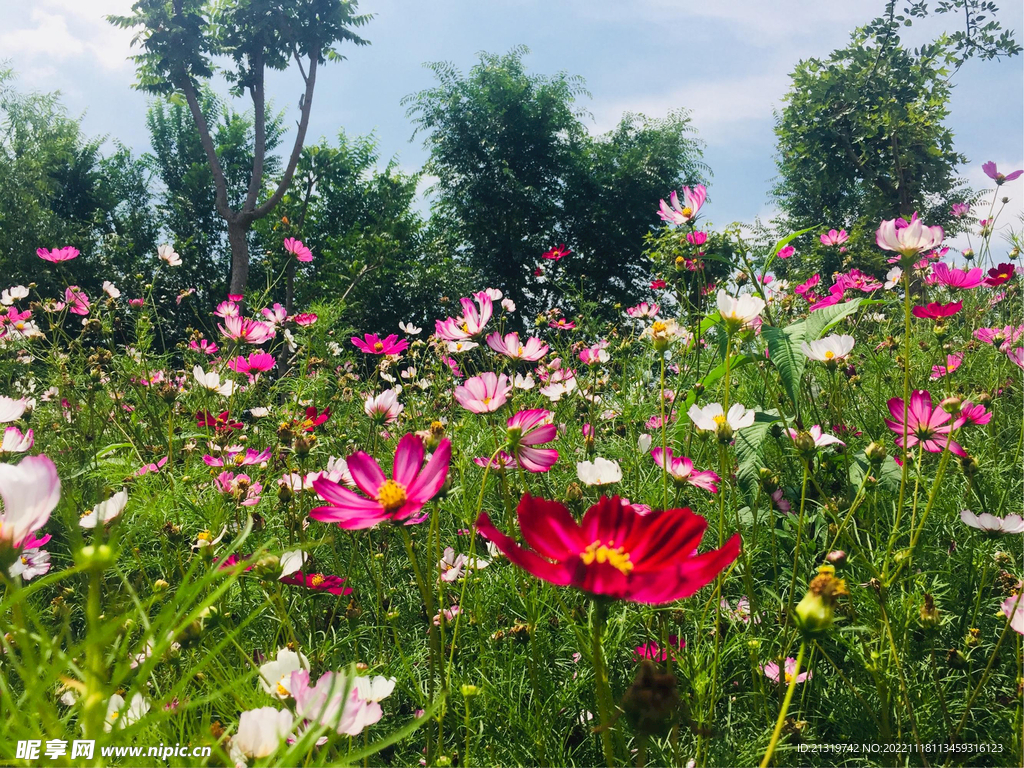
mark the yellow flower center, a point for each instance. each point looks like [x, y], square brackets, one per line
[378, 347]
[239, 459]
[604, 553]
[659, 327]
[486, 401]
[317, 580]
[391, 496]
[687, 211]
[788, 676]
[719, 419]
[282, 691]
[520, 351]
[205, 536]
[829, 354]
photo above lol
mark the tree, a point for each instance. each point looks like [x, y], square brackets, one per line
[518, 172]
[180, 39]
[57, 189]
[862, 138]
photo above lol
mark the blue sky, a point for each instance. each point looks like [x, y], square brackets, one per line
[727, 61]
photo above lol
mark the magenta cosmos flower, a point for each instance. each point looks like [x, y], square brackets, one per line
[993, 173]
[474, 318]
[527, 430]
[76, 300]
[678, 214]
[957, 278]
[396, 500]
[257, 362]
[57, 254]
[484, 393]
[372, 344]
[318, 582]
[834, 237]
[510, 346]
[245, 330]
[615, 551]
[297, 249]
[557, 253]
[785, 675]
[910, 240]
[952, 363]
[923, 424]
[936, 311]
[681, 470]
[999, 275]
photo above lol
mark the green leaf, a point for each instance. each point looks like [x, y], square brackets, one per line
[787, 356]
[822, 320]
[750, 443]
[888, 474]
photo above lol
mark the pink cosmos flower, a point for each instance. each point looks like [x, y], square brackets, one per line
[780, 502]
[474, 318]
[276, 314]
[145, 469]
[643, 309]
[910, 240]
[77, 301]
[1013, 609]
[1004, 337]
[785, 253]
[832, 237]
[696, 238]
[15, 441]
[395, 500]
[561, 324]
[30, 490]
[500, 462]
[678, 214]
[772, 672]
[974, 413]
[57, 254]
[204, 346]
[820, 438]
[805, 287]
[653, 652]
[991, 524]
[373, 345]
[960, 209]
[304, 319]
[257, 362]
[952, 363]
[993, 173]
[681, 470]
[935, 311]
[297, 249]
[484, 393]
[318, 582]
[923, 424]
[1017, 356]
[241, 486]
[383, 408]
[510, 346]
[957, 278]
[528, 429]
[557, 253]
[238, 457]
[596, 354]
[227, 309]
[245, 330]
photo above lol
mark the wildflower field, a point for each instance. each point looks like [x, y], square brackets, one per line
[751, 517]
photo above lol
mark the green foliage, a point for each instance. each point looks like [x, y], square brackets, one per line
[518, 173]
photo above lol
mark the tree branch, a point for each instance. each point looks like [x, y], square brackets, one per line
[300, 137]
[220, 183]
[256, 89]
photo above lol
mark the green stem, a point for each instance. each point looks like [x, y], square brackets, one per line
[599, 619]
[785, 706]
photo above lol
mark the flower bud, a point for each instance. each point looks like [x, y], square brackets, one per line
[950, 405]
[651, 701]
[469, 691]
[804, 443]
[573, 492]
[875, 452]
[929, 614]
[97, 558]
[813, 614]
[267, 567]
[836, 557]
[160, 586]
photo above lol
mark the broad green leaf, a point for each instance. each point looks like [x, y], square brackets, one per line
[750, 452]
[821, 321]
[888, 474]
[787, 356]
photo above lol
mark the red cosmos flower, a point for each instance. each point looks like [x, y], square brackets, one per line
[936, 311]
[221, 422]
[657, 285]
[654, 652]
[374, 345]
[557, 253]
[313, 419]
[999, 275]
[318, 582]
[616, 551]
[395, 500]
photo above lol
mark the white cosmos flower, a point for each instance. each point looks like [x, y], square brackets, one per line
[11, 295]
[830, 349]
[992, 524]
[30, 491]
[167, 254]
[260, 732]
[276, 675]
[212, 382]
[135, 712]
[599, 471]
[523, 382]
[892, 278]
[11, 409]
[644, 443]
[292, 561]
[712, 417]
[16, 442]
[376, 688]
[410, 329]
[111, 290]
[739, 311]
[820, 438]
[105, 511]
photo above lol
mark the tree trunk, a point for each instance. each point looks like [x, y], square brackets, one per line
[239, 256]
